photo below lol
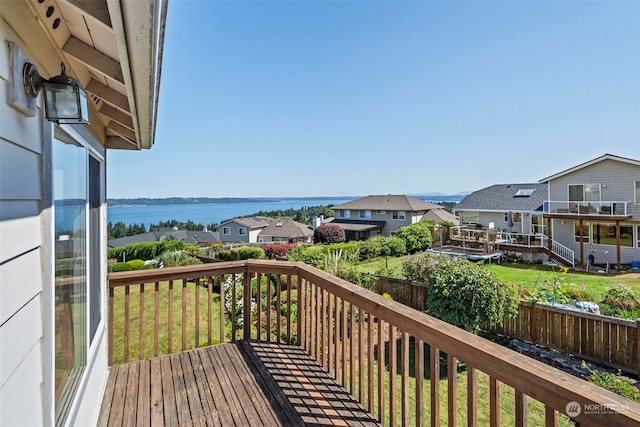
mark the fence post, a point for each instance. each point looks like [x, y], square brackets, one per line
[638, 345]
[533, 325]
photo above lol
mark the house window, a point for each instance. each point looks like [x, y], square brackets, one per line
[242, 231]
[585, 232]
[365, 214]
[226, 231]
[343, 213]
[398, 215]
[638, 236]
[78, 197]
[637, 193]
[384, 212]
[605, 234]
[469, 217]
[515, 216]
[584, 193]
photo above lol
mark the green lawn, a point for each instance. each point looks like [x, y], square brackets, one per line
[528, 276]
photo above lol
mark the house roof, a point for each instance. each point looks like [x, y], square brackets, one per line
[250, 221]
[114, 48]
[440, 214]
[504, 197]
[592, 162]
[286, 228]
[360, 225]
[388, 203]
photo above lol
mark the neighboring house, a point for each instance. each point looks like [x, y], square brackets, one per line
[201, 238]
[260, 229]
[372, 216]
[53, 330]
[590, 212]
[594, 209]
[497, 205]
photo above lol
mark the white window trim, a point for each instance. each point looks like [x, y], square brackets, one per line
[226, 231]
[399, 215]
[242, 231]
[636, 193]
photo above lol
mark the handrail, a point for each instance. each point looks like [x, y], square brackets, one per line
[341, 325]
[609, 208]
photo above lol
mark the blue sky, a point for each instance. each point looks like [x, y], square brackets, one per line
[333, 98]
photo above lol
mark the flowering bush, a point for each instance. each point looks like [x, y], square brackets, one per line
[329, 233]
[278, 250]
[620, 300]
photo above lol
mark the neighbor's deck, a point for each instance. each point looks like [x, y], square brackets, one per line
[241, 383]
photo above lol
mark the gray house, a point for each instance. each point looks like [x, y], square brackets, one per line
[588, 214]
[594, 209]
[261, 229]
[372, 216]
[53, 329]
[511, 207]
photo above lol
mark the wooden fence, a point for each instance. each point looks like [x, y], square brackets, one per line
[605, 340]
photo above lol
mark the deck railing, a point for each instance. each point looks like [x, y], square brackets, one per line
[385, 354]
[588, 208]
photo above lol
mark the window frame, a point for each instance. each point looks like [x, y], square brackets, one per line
[242, 231]
[399, 215]
[365, 214]
[226, 231]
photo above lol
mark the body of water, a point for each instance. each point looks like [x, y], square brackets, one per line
[211, 213]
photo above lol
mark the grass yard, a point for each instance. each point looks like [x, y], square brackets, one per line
[529, 276]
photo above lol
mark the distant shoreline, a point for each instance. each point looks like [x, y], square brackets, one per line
[168, 201]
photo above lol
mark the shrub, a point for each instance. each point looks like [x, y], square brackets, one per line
[371, 247]
[622, 301]
[247, 252]
[136, 264]
[353, 275]
[329, 233]
[469, 296]
[419, 267]
[244, 252]
[278, 250]
[393, 246]
[614, 383]
[312, 255]
[172, 258]
[189, 260]
[417, 237]
[145, 251]
[120, 266]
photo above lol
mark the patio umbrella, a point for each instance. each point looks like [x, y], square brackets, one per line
[510, 221]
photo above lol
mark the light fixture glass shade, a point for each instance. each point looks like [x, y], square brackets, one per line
[66, 103]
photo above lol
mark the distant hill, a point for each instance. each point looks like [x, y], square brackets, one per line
[143, 201]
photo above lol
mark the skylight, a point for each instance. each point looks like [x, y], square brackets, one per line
[524, 192]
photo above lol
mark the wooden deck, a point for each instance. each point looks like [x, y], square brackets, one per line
[234, 384]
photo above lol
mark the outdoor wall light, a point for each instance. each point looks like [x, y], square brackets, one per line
[65, 100]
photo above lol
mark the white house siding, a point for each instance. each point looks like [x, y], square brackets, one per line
[21, 279]
[26, 253]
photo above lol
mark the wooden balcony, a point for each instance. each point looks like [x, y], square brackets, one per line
[306, 347]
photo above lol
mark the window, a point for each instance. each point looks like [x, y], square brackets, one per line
[524, 192]
[226, 231]
[585, 232]
[384, 212]
[242, 231]
[469, 217]
[537, 224]
[398, 215]
[515, 216]
[638, 235]
[365, 214]
[78, 196]
[583, 193]
[343, 213]
[637, 193]
[605, 234]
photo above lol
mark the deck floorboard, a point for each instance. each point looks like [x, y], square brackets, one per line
[245, 383]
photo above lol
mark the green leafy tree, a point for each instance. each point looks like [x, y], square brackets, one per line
[417, 237]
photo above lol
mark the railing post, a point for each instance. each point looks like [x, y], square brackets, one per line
[246, 312]
[533, 324]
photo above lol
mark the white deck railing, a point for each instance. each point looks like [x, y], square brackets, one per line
[595, 208]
